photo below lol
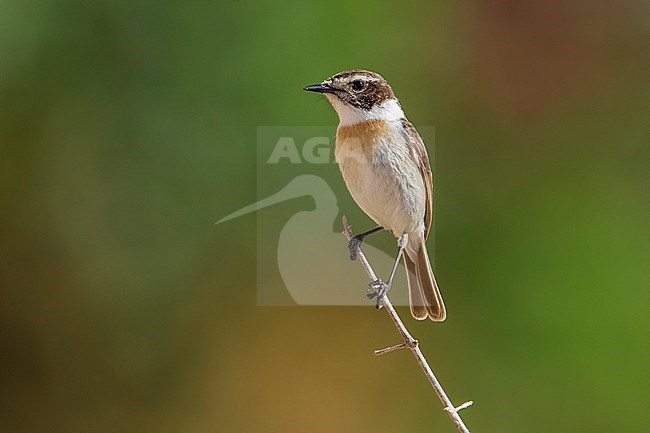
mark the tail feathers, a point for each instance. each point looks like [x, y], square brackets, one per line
[416, 298]
[424, 295]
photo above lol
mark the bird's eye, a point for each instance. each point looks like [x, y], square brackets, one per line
[358, 85]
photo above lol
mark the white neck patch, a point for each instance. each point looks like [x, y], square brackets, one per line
[349, 115]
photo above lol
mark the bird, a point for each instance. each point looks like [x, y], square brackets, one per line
[386, 169]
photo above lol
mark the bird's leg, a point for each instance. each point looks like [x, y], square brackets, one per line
[379, 286]
[355, 242]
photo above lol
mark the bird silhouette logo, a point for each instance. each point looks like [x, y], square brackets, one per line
[312, 258]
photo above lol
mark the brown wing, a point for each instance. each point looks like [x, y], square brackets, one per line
[419, 153]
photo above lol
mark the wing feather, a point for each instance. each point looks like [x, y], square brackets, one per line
[419, 153]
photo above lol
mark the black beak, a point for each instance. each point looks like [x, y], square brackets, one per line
[320, 88]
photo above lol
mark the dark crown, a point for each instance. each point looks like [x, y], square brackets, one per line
[360, 88]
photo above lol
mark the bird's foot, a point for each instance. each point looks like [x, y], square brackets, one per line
[353, 245]
[377, 289]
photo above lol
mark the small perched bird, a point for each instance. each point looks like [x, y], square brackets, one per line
[386, 169]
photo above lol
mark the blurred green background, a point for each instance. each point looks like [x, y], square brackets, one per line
[128, 128]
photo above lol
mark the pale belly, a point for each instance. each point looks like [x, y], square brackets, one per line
[387, 185]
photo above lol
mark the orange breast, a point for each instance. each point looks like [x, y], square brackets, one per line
[360, 136]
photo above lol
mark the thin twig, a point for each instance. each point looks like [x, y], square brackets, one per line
[396, 347]
[462, 406]
[410, 343]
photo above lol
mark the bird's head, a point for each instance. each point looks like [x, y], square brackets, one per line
[359, 95]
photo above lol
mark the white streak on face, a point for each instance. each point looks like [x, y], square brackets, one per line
[361, 77]
[350, 115]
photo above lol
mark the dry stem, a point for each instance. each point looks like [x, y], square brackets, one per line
[410, 343]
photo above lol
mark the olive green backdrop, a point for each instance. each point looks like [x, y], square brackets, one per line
[128, 128]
